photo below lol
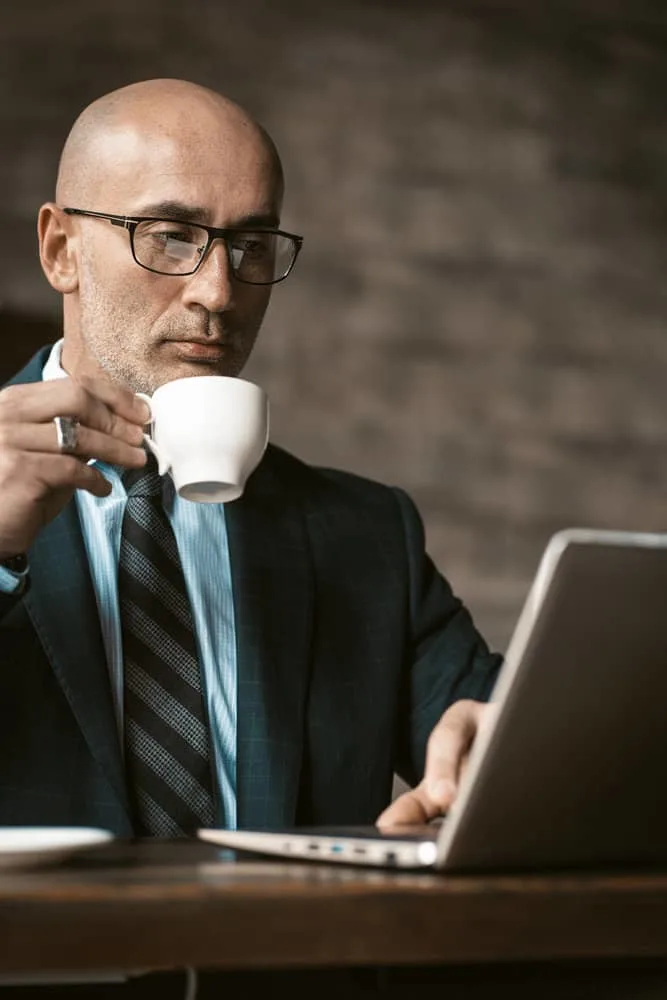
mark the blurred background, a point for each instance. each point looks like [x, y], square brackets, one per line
[478, 314]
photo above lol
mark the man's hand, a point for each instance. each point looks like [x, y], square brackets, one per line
[36, 479]
[446, 758]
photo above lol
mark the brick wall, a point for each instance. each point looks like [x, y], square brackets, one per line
[478, 314]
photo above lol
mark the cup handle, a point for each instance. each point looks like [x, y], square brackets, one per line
[163, 463]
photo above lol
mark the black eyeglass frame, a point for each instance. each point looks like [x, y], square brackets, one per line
[131, 222]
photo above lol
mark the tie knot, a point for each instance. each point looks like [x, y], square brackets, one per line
[145, 482]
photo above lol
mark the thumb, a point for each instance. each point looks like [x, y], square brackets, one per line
[418, 806]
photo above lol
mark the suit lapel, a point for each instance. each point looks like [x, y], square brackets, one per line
[273, 608]
[61, 604]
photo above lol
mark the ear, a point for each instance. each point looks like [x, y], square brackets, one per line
[57, 248]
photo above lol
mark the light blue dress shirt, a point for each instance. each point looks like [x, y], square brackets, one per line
[201, 536]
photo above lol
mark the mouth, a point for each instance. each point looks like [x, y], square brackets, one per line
[200, 351]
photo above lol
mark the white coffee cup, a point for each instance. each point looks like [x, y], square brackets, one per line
[209, 432]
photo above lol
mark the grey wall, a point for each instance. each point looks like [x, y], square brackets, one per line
[478, 314]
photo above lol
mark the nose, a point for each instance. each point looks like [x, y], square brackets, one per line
[212, 284]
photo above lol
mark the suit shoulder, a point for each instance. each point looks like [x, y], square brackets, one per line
[32, 370]
[321, 486]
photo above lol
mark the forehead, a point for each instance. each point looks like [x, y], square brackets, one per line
[228, 175]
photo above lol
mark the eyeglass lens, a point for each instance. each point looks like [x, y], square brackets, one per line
[176, 248]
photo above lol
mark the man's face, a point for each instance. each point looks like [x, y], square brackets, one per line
[143, 329]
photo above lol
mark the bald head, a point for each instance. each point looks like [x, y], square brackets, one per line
[175, 155]
[153, 113]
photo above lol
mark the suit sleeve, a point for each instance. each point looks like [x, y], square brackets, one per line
[447, 658]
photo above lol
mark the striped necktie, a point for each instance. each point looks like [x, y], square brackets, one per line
[167, 747]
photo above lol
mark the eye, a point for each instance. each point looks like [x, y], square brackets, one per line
[178, 235]
[173, 239]
[253, 246]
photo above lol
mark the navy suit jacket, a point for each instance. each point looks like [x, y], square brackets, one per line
[350, 647]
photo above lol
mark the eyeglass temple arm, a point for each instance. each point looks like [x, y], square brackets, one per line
[115, 220]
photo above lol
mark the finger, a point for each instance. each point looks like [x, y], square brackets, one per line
[77, 403]
[124, 403]
[50, 473]
[447, 749]
[440, 793]
[411, 808]
[88, 478]
[43, 438]
[93, 445]
[97, 404]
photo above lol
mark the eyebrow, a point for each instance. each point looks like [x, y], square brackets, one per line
[180, 212]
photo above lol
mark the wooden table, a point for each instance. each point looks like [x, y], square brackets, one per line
[162, 906]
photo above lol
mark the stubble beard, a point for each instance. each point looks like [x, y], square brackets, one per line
[105, 339]
[108, 342]
[114, 361]
[113, 340]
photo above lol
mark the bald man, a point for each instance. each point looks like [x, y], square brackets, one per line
[333, 654]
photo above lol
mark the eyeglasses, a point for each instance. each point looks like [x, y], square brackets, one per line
[166, 246]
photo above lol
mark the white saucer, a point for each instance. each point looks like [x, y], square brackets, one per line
[30, 846]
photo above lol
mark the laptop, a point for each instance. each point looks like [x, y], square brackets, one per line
[570, 770]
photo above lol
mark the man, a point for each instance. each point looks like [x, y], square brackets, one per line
[332, 653]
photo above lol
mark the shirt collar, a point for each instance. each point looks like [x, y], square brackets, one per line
[53, 367]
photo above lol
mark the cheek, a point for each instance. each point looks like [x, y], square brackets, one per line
[121, 293]
[100, 285]
[110, 272]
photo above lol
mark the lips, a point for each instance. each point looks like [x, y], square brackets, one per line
[200, 350]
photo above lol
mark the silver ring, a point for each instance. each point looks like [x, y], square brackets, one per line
[67, 430]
